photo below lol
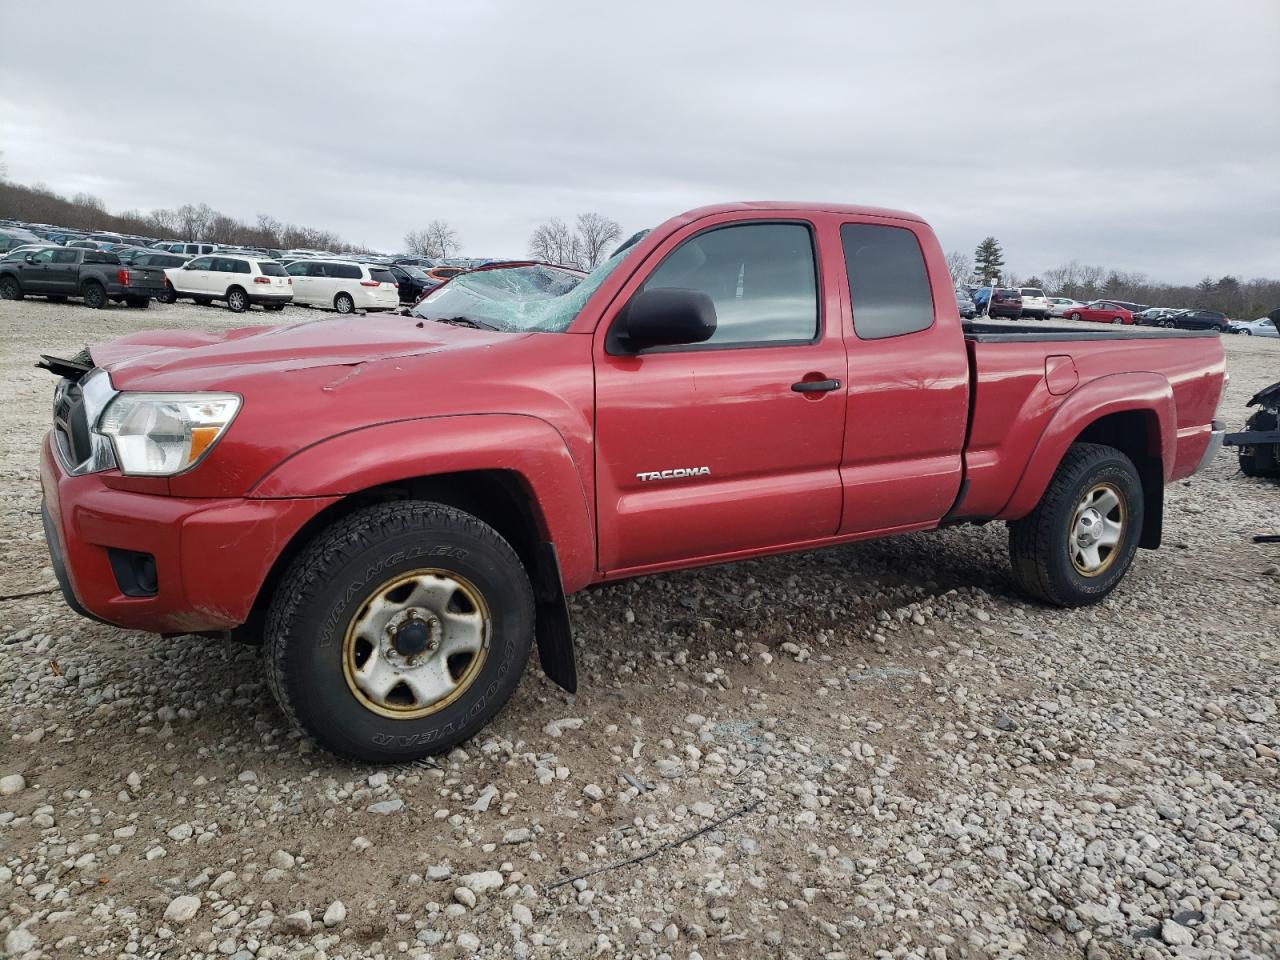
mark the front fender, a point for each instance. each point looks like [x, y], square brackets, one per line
[1119, 393]
[401, 450]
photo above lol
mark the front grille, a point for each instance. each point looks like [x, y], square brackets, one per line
[71, 421]
[77, 404]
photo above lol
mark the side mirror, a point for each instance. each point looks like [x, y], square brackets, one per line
[666, 318]
[29, 258]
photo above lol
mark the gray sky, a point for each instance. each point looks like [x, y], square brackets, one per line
[1141, 135]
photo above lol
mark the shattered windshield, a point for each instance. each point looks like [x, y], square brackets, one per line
[534, 297]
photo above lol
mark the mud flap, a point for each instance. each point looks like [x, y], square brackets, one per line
[553, 627]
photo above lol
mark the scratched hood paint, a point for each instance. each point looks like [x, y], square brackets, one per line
[154, 358]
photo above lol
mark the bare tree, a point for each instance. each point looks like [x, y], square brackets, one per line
[960, 266]
[443, 238]
[437, 240]
[554, 242]
[596, 233]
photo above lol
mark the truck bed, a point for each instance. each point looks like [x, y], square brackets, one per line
[1014, 332]
[1013, 403]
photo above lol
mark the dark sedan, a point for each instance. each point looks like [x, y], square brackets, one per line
[1198, 320]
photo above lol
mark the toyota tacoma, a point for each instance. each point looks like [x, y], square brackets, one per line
[397, 507]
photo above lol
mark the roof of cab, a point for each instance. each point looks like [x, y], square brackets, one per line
[799, 207]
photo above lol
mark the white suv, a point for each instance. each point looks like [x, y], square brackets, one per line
[344, 285]
[240, 281]
[1034, 302]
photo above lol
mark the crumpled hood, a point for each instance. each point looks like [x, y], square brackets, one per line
[135, 361]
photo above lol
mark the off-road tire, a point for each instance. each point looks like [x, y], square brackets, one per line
[237, 300]
[94, 294]
[10, 290]
[1261, 460]
[328, 584]
[1039, 544]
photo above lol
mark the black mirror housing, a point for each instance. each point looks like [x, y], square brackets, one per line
[665, 318]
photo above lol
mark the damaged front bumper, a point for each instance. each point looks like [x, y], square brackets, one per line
[159, 563]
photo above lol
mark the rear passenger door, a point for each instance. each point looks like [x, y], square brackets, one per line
[64, 271]
[908, 375]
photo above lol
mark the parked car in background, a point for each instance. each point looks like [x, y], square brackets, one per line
[1262, 327]
[998, 302]
[1061, 306]
[412, 281]
[240, 281]
[160, 260]
[1131, 307]
[12, 237]
[1198, 320]
[964, 303]
[1152, 316]
[96, 276]
[1034, 303]
[1101, 311]
[423, 263]
[343, 285]
[190, 249]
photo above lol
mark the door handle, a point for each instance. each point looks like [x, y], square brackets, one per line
[815, 386]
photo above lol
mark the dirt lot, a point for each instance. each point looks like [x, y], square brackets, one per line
[913, 761]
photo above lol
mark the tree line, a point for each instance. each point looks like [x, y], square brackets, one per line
[1237, 298]
[84, 211]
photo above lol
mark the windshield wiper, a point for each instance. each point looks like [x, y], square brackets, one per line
[464, 322]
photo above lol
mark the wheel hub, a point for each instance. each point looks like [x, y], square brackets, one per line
[1089, 527]
[416, 644]
[413, 632]
[1097, 529]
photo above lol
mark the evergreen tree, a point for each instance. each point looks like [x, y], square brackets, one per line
[988, 261]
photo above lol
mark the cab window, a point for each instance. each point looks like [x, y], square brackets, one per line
[762, 278]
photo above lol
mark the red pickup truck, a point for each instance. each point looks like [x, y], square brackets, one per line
[399, 505]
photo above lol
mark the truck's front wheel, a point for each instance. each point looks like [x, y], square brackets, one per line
[400, 632]
[1079, 541]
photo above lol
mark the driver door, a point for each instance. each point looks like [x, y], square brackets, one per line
[734, 444]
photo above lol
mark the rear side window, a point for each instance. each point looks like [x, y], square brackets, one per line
[271, 269]
[760, 276]
[888, 283]
[240, 266]
[100, 256]
[344, 271]
[64, 256]
[382, 275]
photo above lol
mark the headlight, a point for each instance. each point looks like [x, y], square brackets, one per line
[162, 434]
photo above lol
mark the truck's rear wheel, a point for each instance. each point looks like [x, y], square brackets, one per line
[400, 632]
[1078, 543]
[94, 294]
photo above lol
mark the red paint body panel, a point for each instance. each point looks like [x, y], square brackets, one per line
[211, 556]
[337, 406]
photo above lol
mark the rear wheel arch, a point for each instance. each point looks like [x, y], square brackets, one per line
[1135, 413]
[1136, 434]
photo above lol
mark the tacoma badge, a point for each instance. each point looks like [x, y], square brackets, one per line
[678, 473]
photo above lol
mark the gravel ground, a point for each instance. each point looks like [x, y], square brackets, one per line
[882, 749]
